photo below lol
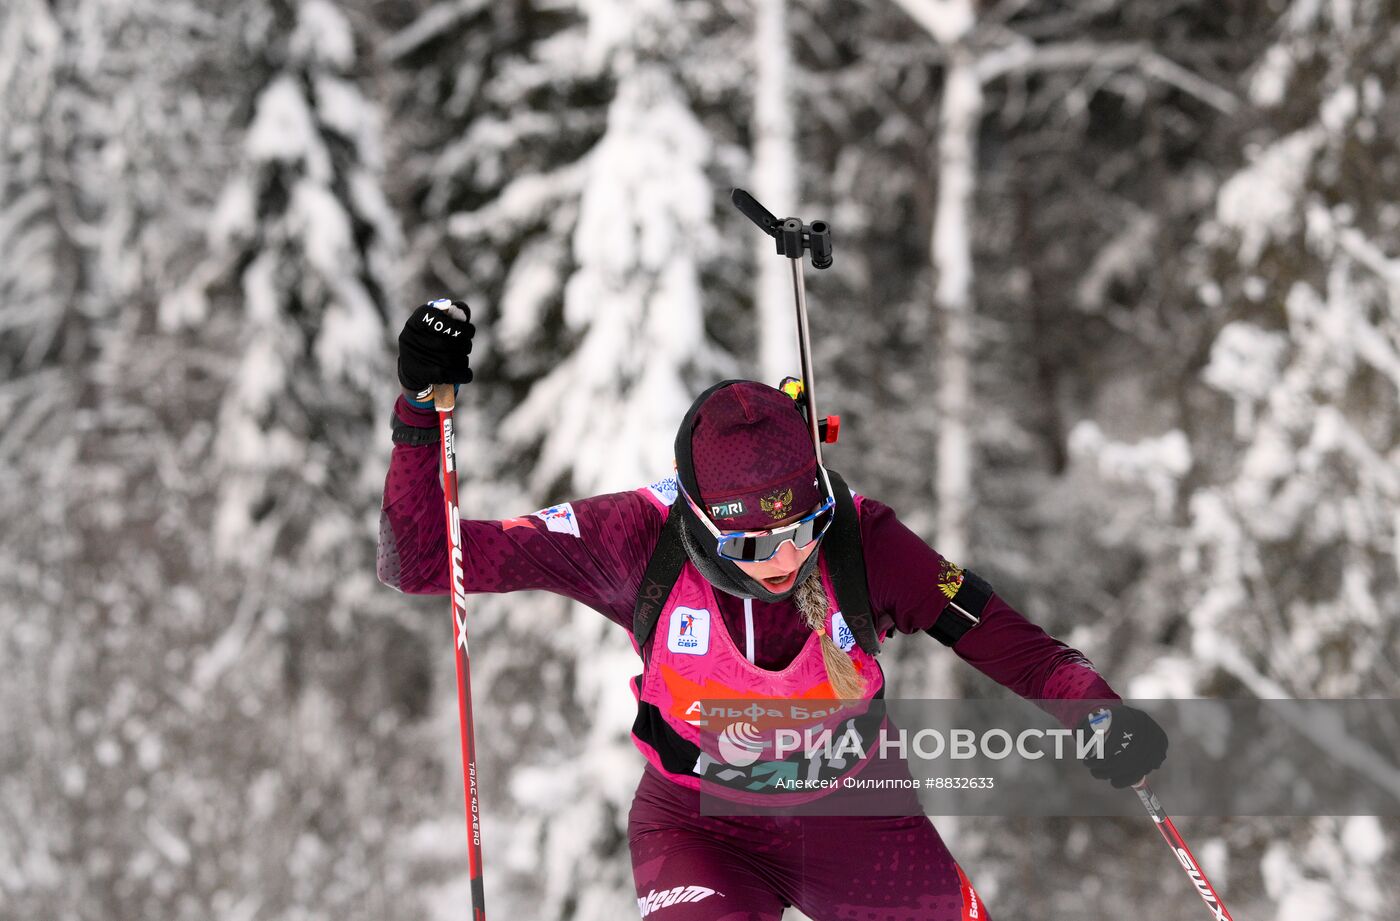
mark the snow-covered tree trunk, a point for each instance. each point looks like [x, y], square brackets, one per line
[951, 23]
[951, 249]
[775, 184]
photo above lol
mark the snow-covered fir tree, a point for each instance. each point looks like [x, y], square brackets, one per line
[633, 301]
[303, 243]
[280, 322]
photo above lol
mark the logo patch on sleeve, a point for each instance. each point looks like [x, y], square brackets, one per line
[950, 579]
[560, 519]
[666, 491]
[841, 633]
[689, 633]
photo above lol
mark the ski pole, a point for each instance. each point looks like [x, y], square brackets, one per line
[444, 400]
[794, 238]
[1182, 852]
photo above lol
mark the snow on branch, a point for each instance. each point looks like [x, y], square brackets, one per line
[1329, 737]
[434, 22]
[1025, 56]
[1125, 253]
[1158, 463]
[525, 201]
[1245, 363]
[1377, 343]
[1260, 203]
[1333, 433]
[1368, 254]
[948, 21]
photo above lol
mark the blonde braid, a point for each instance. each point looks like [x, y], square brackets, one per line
[811, 601]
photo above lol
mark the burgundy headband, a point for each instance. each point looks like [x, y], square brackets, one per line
[752, 458]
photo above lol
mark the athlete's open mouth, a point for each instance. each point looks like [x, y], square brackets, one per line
[779, 581]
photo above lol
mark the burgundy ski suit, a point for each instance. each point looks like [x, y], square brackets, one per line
[688, 866]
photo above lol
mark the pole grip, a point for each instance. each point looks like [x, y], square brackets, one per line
[444, 395]
[755, 212]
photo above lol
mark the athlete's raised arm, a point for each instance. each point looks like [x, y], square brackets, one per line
[593, 550]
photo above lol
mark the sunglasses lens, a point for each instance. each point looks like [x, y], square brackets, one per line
[737, 548]
[745, 548]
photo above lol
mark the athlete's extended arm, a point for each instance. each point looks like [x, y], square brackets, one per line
[909, 583]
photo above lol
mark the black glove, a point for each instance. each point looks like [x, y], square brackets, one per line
[434, 347]
[1134, 746]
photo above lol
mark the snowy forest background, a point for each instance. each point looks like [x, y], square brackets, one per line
[1114, 318]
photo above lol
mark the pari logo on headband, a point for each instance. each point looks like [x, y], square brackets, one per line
[727, 509]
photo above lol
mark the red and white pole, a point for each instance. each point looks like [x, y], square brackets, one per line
[444, 400]
[1181, 851]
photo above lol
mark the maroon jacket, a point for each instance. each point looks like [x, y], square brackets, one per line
[597, 552]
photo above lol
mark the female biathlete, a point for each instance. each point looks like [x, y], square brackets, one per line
[759, 539]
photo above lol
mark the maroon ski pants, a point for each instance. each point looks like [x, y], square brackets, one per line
[691, 867]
